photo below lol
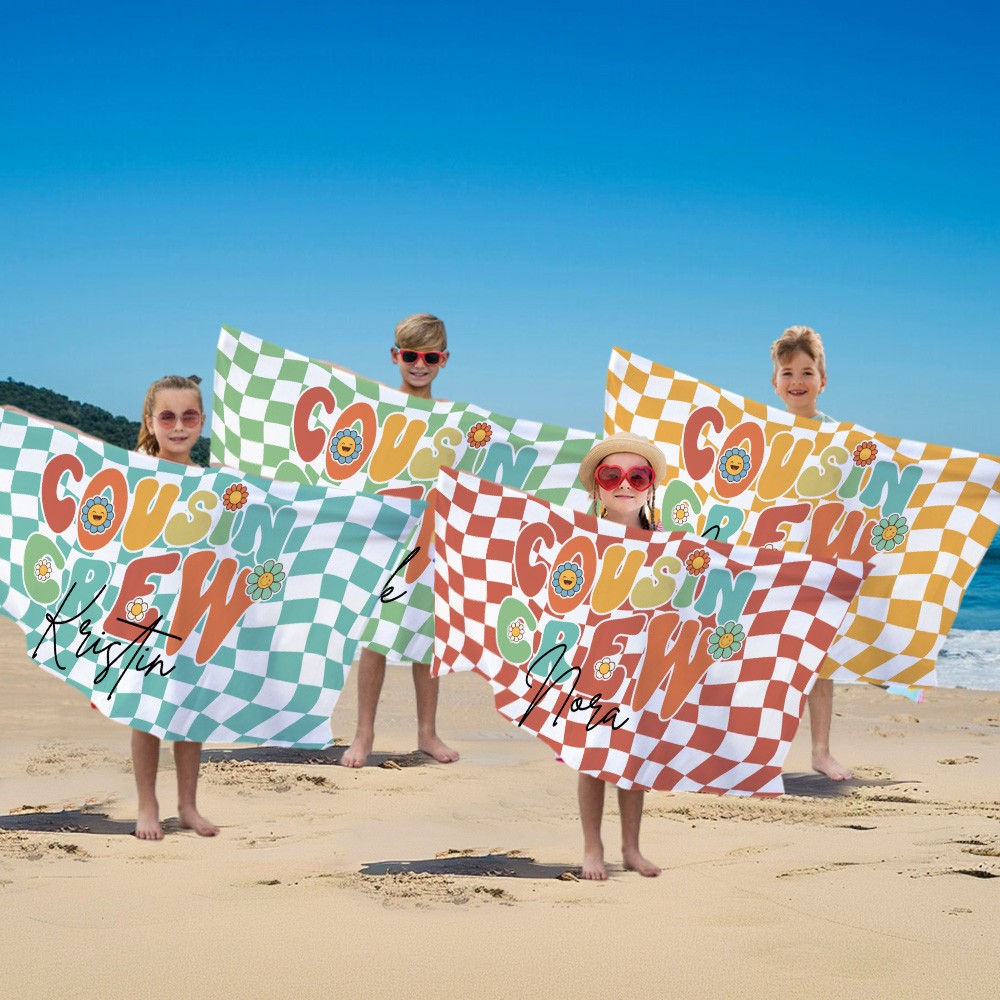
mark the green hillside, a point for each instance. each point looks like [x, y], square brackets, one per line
[83, 416]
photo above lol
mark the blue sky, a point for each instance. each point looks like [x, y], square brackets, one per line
[551, 179]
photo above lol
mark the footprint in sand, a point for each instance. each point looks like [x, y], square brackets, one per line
[967, 759]
[64, 758]
[873, 773]
[740, 852]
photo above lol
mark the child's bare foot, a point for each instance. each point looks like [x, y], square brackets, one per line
[147, 824]
[191, 819]
[436, 748]
[826, 764]
[593, 865]
[356, 755]
[635, 862]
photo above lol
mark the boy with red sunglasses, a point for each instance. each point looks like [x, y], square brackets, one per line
[421, 351]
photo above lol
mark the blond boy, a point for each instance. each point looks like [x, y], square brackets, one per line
[420, 352]
[799, 378]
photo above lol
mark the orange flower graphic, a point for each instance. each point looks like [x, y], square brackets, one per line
[479, 434]
[698, 562]
[235, 496]
[865, 453]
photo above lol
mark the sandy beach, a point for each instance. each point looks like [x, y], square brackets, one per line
[424, 880]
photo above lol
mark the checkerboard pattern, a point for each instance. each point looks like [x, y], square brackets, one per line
[282, 653]
[896, 627]
[257, 385]
[728, 730]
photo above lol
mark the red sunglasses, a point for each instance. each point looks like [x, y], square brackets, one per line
[609, 477]
[409, 357]
[189, 418]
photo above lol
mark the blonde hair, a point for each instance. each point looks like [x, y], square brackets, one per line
[147, 443]
[799, 338]
[421, 331]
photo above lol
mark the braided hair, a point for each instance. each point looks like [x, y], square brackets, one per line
[646, 520]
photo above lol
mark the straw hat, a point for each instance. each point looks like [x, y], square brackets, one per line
[622, 441]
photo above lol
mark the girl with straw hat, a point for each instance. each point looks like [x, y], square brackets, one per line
[621, 473]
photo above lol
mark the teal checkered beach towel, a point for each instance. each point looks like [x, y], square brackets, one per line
[194, 604]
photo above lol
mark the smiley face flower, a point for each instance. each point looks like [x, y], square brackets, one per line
[603, 669]
[136, 609]
[682, 513]
[567, 579]
[97, 515]
[235, 496]
[479, 435]
[698, 562]
[265, 581]
[726, 641]
[44, 569]
[517, 630]
[734, 465]
[346, 446]
[889, 532]
[865, 453]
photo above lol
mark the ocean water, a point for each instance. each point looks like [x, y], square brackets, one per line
[970, 656]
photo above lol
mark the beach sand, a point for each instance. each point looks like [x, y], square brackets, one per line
[885, 886]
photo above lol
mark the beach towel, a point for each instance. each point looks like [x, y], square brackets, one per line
[745, 472]
[647, 659]
[281, 414]
[194, 604]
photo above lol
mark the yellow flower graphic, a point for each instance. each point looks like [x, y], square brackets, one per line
[603, 669]
[479, 435]
[682, 512]
[44, 569]
[136, 609]
[517, 630]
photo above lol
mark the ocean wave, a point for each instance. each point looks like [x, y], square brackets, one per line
[970, 658]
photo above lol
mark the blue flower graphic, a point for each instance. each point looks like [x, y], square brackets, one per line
[97, 515]
[734, 465]
[567, 579]
[346, 446]
[889, 532]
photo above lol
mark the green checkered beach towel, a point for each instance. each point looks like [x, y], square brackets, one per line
[285, 415]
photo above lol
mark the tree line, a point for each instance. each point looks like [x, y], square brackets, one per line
[85, 417]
